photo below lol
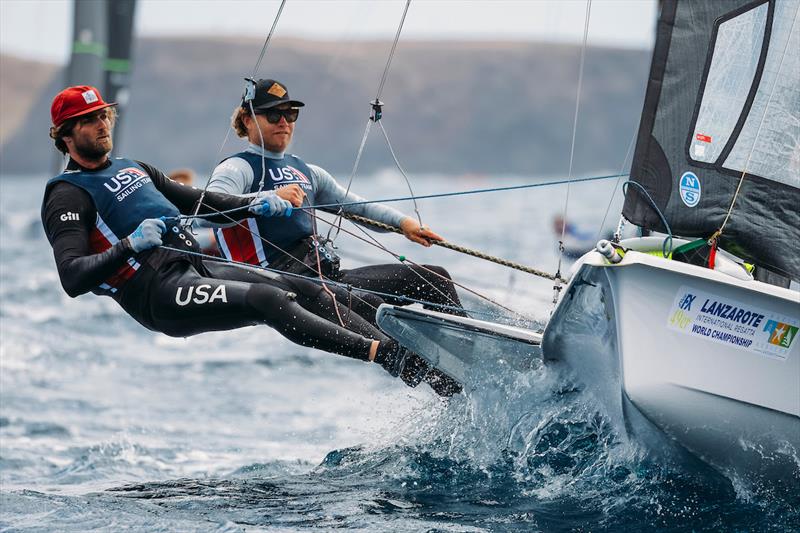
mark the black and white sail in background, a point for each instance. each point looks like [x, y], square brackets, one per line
[101, 50]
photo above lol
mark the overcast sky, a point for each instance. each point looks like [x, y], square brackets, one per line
[41, 29]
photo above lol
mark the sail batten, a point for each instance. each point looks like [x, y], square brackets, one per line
[723, 102]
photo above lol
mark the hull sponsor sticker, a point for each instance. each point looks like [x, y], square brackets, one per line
[732, 323]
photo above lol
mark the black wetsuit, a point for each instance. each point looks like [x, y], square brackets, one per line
[396, 282]
[181, 295]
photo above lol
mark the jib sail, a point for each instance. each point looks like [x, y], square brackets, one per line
[721, 114]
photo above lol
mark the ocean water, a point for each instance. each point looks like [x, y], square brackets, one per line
[107, 426]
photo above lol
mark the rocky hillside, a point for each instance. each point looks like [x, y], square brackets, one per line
[452, 107]
[21, 83]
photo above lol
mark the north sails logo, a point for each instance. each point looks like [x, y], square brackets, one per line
[690, 189]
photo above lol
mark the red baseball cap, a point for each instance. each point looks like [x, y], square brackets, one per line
[76, 101]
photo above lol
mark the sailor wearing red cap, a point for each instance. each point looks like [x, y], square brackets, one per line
[111, 223]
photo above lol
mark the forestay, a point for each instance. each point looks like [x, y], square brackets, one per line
[721, 114]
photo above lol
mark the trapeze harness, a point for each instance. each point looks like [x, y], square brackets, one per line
[282, 243]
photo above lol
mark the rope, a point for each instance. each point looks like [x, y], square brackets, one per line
[458, 248]
[345, 286]
[717, 233]
[404, 260]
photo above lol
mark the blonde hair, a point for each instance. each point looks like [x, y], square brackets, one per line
[237, 121]
[66, 127]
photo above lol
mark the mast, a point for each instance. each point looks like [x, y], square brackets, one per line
[89, 35]
[116, 83]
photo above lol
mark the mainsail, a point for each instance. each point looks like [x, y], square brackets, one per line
[721, 114]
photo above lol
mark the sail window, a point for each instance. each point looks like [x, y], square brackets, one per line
[730, 75]
[769, 143]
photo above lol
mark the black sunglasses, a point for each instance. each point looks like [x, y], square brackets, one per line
[274, 115]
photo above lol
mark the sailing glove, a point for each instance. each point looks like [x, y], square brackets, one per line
[147, 234]
[269, 204]
[402, 363]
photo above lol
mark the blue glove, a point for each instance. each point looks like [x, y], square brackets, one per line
[269, 204]
[147, 235]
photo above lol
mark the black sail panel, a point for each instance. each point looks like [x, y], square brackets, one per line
[723, 100]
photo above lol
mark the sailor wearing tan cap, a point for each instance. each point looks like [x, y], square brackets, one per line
[266, 117]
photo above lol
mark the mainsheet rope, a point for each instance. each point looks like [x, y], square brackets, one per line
[458, 248]
[403, 259]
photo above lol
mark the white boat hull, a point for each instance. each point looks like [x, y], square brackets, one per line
[712, 382]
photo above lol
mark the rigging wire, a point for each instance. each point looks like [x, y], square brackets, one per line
[375, 116]
[391, 53]
[255, 71]
[616, 186]
[339, 284]
[421, 197]
[557, 286]
[268, 39]
[403, 172]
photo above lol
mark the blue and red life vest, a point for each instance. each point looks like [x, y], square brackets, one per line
[124, 195]
[251, 243]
